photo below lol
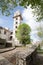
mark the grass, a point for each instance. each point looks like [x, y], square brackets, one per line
[40, 51]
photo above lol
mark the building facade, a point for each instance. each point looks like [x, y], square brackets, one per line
[10, 36]
[5, 34]
[17, 21]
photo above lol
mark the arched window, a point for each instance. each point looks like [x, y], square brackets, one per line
[10, 37]
[4, 32]
[16, 22]
[11, 32]
[16, 18]
[16, 26]
[15, 31]
[0, 31]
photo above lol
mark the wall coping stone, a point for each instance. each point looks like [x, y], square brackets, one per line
[26, 52]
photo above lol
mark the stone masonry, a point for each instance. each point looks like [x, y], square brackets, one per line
[20, 56]
[4, 61]
[26, 57]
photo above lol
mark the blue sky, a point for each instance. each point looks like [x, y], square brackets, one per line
[7, 21]
[27, 18]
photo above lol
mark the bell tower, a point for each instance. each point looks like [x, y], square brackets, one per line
[17, 21]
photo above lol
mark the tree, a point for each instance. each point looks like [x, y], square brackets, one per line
[23, 33]
[7, 5]
[40, 35]
[40, 31]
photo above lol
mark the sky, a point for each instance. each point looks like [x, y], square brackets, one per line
[7, 21]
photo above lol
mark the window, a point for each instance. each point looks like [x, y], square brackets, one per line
[10, 37]
[16, 26]
[11, 32]
[4, 32]
[16, 22]
[0, 32]
[16, 18]
[15, 31]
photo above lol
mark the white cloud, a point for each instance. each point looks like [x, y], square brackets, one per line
[29, 19]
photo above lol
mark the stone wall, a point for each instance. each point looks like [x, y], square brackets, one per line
[4, 61]
[27, 56]
[21, 56]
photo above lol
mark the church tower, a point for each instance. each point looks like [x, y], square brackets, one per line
[17, 21]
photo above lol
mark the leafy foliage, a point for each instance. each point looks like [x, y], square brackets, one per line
[7, 5]
[40, 32]
[23, 32]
